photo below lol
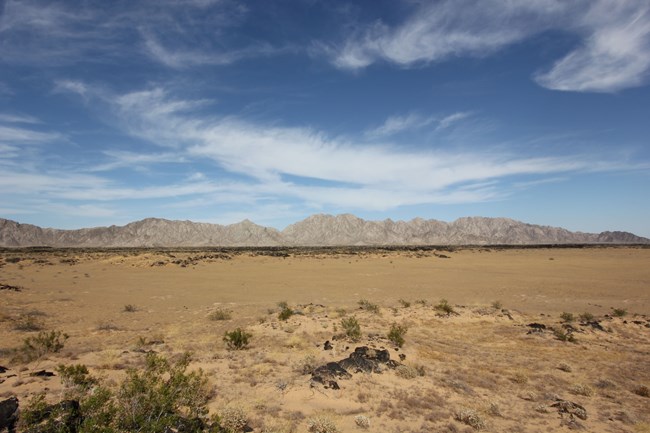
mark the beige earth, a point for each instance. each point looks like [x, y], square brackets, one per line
[482, 359]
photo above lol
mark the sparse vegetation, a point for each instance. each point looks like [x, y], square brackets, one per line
[396, 334]
[404, 303]
[220, 314]
[563, 366]
[642, 390]
[619, 312]
[285, 311]
[351, 328]
[76, 375]
[44, 343]
[237, 339]
[366, 305]
[28, 323]
[563, 335]
[497, 305]
[130, 308]
[567, 317]
[581, 389]
[409, 371]
[586, 317]
[444, 307]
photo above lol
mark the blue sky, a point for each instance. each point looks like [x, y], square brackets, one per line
[218, 110]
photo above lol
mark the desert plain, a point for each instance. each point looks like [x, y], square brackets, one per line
[495, 357]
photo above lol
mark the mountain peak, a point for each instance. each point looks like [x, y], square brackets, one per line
[315, 230]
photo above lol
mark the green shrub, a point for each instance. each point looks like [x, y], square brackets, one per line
[351, 328]
[497, 305]
[220, 314]
[444, 307]
[364, 304]
[44, 343]
[160, 396]
[75, 376]
[285, 311]
[237, 339]
[396, 334]
[567, 317]
[619, 312]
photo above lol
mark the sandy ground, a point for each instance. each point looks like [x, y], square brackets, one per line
[481, 358]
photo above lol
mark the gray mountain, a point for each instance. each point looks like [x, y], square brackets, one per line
[316, 230]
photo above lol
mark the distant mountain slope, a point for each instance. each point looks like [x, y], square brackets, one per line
[316, 230]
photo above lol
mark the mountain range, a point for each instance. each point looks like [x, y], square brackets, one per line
[316, 230]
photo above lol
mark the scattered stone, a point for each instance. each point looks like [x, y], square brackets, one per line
[327, 345]
[402, 357]
[10, 287]
[594, 324]
[9, 414]
[3, 369]
[363, 360]
[536, 328]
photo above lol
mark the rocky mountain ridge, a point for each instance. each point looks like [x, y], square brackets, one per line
[316, 230]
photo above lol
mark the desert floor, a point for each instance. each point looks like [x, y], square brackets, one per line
[483, 357]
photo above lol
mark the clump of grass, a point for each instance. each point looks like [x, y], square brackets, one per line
[307, 364]
[351, 328]
[237, 339]
[470, 417]
[444, 307]
[76, 375]
[567, 317]
[321, 424]
[130, 308]
[563, 366]
[29, 323]
[497, 305]
[422, 302]
[410, 371]
[404, 303]
[642, 390]
[365, 304]
[233, 419]
[396, 334]
[563, 335]
[220, 314]
[362, 421]
[619, 312]
[520, 378]
[586, 317]
[581, 389]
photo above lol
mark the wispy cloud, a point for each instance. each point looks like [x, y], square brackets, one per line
[16, 135]
[414, 121]
[17, 118]
[349, 174]
[614, 55]
[614, 52]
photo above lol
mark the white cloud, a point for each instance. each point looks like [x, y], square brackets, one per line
[614, 53]
[447, 121]
[15, 135]
[396, 124]
[17, 118]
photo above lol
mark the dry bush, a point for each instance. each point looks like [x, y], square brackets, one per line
[28, 323]
[409, 372]
[321, 424]
[233, 419]
[364, 304]
[563, 366]
[404, 303]
[130, 308]
[567, 317]
[306, 365]
[470, 417]
[445, 307]
[396, 334]
[581, 389]
[586, 317]
[220, 314]
[351, 328]
[642, 390]
[362, 421]
[619, 312]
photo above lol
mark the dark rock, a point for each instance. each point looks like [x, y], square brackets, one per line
[565, 407]
[594, 324]
[402, 357]
[539, 326]
[327, 345]
[3, 369]
[9, 414]
[42, 373]
[10, 287]
[363, 360]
